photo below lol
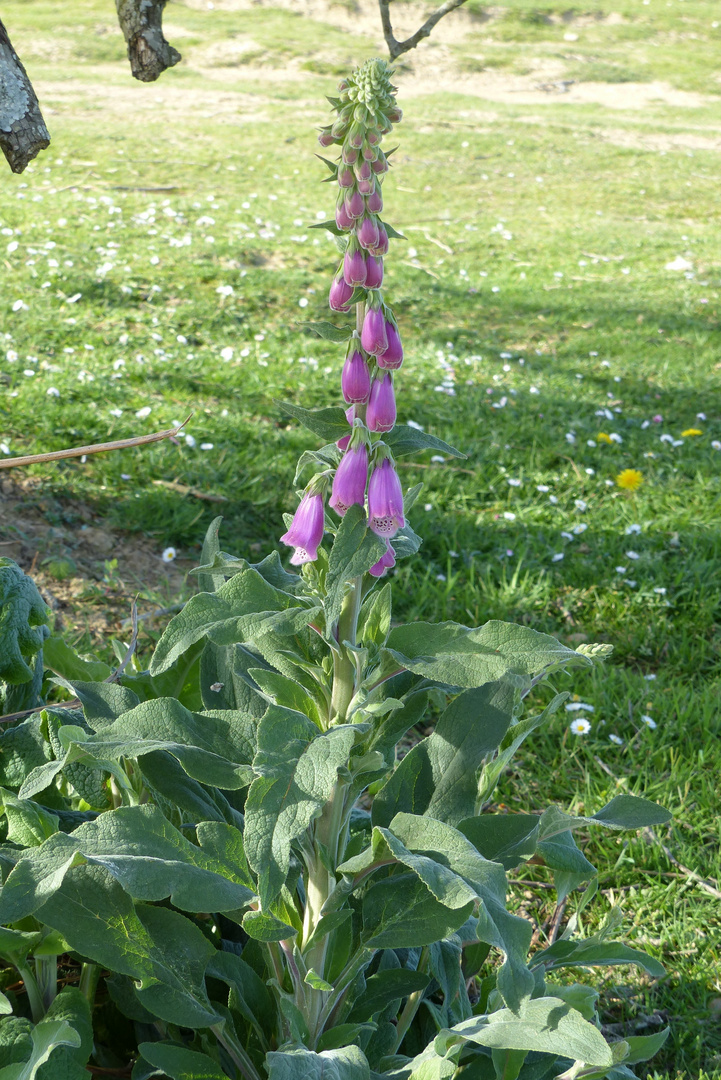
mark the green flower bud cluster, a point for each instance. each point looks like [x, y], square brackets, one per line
[366, 105]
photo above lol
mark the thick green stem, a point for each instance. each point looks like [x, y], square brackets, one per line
[345, 980]
[89, 977]
[411, 1006]
[35, 998]
[344, 670]
[236, 1052]
[46, 973]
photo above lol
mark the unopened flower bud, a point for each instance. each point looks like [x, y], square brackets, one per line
[381, 245]
[394, 114]
[326, 138]
[355, 380]
[368, 234]
[351, 477]
[385, 500]
[380, 165]
[373, 136]
[342, 220]
[374, 202]
[365, 187]
[350, 155]
[363, 170]
[354, 204]
[392, 356]
[356, 135]
[354, 266]
[340, 294]
[346, 178]
[373, 335]
[370, 153]
[374, 272]
[381, 411]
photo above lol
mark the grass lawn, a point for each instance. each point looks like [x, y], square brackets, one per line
[558, 295]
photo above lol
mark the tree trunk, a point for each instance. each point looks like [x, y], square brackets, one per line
[23, 133]
[148, 51]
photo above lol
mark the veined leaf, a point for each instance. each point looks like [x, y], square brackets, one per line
[345, 1063]
[400, 913]
[503, 838]
[392, 984]
[592, 953]
[408, 440]
[46, 1037]
[455, 655]
[515, 736]
[438, 776]
[546, 1024]
[330, 423]
[98, 919]
[298, 769]
[179, 1063]
[329, 331]
[23, 615]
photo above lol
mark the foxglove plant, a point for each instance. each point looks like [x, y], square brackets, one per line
[226, 848]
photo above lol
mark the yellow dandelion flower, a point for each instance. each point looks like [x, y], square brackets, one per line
[603, 437]
[691, 431]
[629, 479]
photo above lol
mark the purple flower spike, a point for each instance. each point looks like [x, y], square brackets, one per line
[384, 563]
[374, 272]
[349, 482]
[385, 500]
[381, 248]
[341, 218]
[374, 202]
[346, 178]
[340, 294]
[354, 268]
[373, 335]
[356, 381]
[367, 234]
[392, 357]
[354, 204]
[381, 411]
[306, 530]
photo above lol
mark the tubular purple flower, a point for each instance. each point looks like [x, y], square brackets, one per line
[355, 380]
[340, 294]
[306, 529]
[373, 334]
[385, 562]
[354, 204]
[351, 477]
[385, 500]
[381, 411]
[391, 357]
[341, 218]
[374, 202]
[342, 443]
[354, 267]
[381, 247]
[374, 272]
[368, 234]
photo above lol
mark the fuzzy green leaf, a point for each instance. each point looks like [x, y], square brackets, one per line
[47, 1036]
[179, 1063]
[592, 953]
[329, 332]
[23, 615]
[400, 913]
[330, 423]
[345, 1063]
[392, 984]
[503, 838]
[409, 440]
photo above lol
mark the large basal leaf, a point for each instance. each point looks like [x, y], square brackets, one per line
[28, 824]
[167, 780]
[23, 614]
[280, 690]
[22, 749]
[438, 776]
[515, 736]
[249, 995]
[64, 661]
[224, 680]
[390, 985]
[458, 656]
[447, 847]
[330, 424]
[214, 748]
[400, 913]
[104, 702]
[546, 1024]
[298, 769]
[355, 549]
[179, 1063]
[36, 877]
[245, 594]
[159, 948]
[408, 440]
[503, 838]
[345, 1063]
[68, 1063]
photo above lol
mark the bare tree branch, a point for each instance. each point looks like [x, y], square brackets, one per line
[95, 448]
[395, 47]
[148, 51]
[23, 133]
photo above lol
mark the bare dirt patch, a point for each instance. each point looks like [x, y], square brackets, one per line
[69, 554]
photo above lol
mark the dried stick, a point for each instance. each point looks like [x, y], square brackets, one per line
[96, 448]
[395, 47]
[23, 133]
[148, 51]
